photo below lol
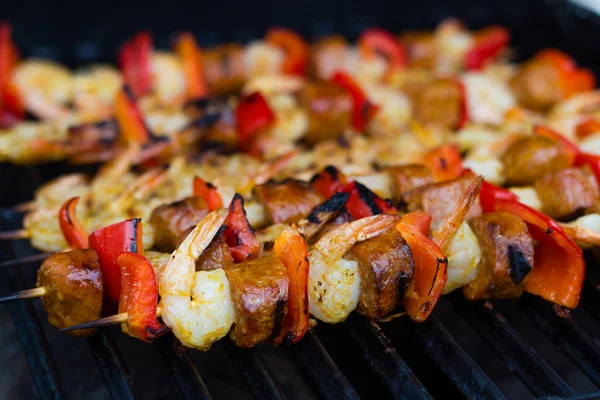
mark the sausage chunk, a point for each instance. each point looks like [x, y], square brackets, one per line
[385, 267]
[224, 68]
[439, 199]
[421, 49]
[217, 255]
[568, 193]
[532, 157]
[408, 177]
[73, 283]
[329, 108]
[172, 222]
[506, 257]
[536, 85]
[259, 291]
[287, 201]
[438, 102]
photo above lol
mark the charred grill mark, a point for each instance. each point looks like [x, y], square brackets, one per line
[334, 204]
[133, 244]
[519, 267]
[443, 163]
[129, 92]
[288, 339]
[548, 231]
[205, 121]
[440, 261]
[68, 209]
[368, 197]
[278, 317]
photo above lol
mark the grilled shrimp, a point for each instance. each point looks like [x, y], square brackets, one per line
[45, 87]
[333, 282]
[463, 258]
[33, 142]
[262, 58]
[168, 78]
[53, 194]
[196, 305]
[94, 91]
[487, 99]
[452, 41]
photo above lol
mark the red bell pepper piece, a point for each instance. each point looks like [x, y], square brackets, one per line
[74, 233]
[130, 119]
[208, 192]
[362, 202]
[362, 109]
[295, 48]
[139, 297]
[431, 266]
[253, 114]
[109, 242]
[561, 60]
[587, 127]
[381, 42]
[489, 42]
[290, 247]
[11, 106]
[489, 194]
[328, 182]
[238, 233]
[134, 61]
[558, 264]
[572, 80]
[444, 162]
[193, 66]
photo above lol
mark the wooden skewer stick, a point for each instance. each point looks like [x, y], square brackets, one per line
[106, 321]
[25, 260]
[583, 235]
[24, 294]
[12, 235]
[24, 207]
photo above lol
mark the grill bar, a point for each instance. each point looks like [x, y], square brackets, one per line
[572, 340]
[114, 371]
[29, 331]
[384, 359]
[254, 371]
[322, 371]
[182, 368]
[521, 359]
[591, 299]
[453, 361]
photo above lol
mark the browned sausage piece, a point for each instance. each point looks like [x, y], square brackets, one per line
[217, 255]
[259, 291]
[385, 267]
[438, 102]
[568, 193]
[536, 85]
[287, 201]
[224, 68]
[73, 283]
[532, 157]
[329, 109]
[172, 222]
[420, 47]
[506, 257]
[439, 199]
[408, 177]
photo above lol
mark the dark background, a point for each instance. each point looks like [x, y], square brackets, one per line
[77, 33]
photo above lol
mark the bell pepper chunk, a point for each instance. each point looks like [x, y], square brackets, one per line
[362, 202]
[193, 66]
[238, 233]
[362, 109]
[139, 297]
[134, 62]
[253, 114]
[381, 42]
[290, 247]
[444, 162]
[109, 242]
[328, 182]
[74, 233]
[587, 127]
[431, 267]
[464, 105]
[558, 264]
[208, 192]
[489, 194]
[572, 80]
[295, 48]
[130, 119]
[11, 105]
[489, 42]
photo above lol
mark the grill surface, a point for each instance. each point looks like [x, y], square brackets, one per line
[492, 350]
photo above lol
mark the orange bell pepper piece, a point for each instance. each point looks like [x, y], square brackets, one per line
[193, 67]
[290, 247]
[208, 192]
[295, 48]
[444, 162]
[74, 233]
[130, 119]
[587, 127]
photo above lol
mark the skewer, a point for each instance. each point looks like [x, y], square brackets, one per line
[23, 207]
[13, 235]
[106, 321]
[581, 234]
[24, 294]
[25, 260]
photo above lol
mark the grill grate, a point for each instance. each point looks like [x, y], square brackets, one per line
[331, 369]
